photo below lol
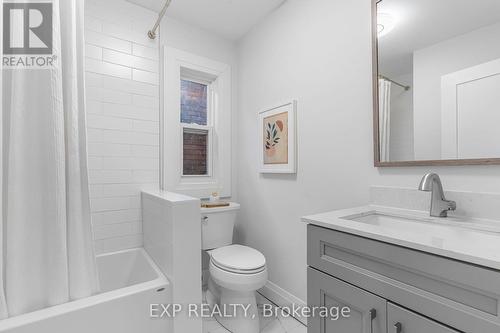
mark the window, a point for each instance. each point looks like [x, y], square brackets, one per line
[194, 117]
[196, 121]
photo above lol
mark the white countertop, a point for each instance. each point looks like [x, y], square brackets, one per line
[475, 241]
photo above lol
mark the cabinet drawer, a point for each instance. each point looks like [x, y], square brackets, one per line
[400, 320]
[367, 312]
[458, 294]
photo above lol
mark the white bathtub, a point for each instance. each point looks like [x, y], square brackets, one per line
[130, 282]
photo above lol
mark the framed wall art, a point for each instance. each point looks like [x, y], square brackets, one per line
[278, 146]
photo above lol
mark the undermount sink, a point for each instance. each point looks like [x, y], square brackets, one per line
[433, 224]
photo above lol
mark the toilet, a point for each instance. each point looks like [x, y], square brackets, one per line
[236, 271]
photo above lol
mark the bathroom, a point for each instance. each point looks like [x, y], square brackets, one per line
[376, 210]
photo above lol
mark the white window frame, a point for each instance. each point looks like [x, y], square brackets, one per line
[177, 65]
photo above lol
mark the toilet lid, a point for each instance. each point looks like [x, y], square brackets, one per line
[238, 258]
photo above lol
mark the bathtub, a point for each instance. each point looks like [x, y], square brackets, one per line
[130, 281]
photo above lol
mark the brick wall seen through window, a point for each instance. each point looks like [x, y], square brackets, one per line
[193, 103]
[195, 152]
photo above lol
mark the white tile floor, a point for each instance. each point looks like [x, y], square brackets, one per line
[280, 324]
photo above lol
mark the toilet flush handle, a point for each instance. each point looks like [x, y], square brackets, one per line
[204, 220]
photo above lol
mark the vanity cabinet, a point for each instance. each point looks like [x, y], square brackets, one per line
[411, 291]
[367, 312]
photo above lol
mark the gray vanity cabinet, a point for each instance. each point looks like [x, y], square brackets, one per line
[412, 291]
[367, 312]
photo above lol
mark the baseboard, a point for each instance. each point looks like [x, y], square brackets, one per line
[282, 298]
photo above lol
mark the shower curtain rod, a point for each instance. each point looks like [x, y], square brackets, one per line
[152, 32]
[406, 88]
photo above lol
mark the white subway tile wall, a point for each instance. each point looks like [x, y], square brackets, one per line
[122, 87]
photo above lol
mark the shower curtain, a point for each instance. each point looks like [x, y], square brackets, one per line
[384, 89]
[47, 257]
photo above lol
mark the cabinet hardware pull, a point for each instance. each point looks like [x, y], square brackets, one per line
[398, 328]
[373, 315]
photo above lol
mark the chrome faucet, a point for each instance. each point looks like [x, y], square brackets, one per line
[439, 205]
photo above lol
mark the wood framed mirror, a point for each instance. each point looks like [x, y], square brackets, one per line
[436, 82]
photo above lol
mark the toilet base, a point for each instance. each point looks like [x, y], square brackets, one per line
[243, 321]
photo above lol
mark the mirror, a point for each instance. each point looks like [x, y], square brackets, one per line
[438, 82]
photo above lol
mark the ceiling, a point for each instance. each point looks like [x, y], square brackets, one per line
[422, 23]
[230, 19]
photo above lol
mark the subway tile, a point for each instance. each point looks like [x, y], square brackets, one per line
[122, 106]
[109, 42]
[130, 111]
[106, 68]
[93, 24]
[120, 190]
[108, 95]
[93, 107]
[94, 163]
[129, 163]
[112, 136]
[95, 190]
[146, 126]
[117, 216]
[144, 176]
[145, 51]
[145, 151]
[117, 230]
[111, 176]
[116, 97]
[145, 101]
[93, 79]
[129, 86]
[129, 60]
[94, 135]
[110, 149]
[118, 203]
[118, 243]
[94, 52]
[143, 76]
[107, 122]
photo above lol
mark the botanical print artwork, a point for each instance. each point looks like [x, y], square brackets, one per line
[275, 133]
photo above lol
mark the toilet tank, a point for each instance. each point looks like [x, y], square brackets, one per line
[217, 226]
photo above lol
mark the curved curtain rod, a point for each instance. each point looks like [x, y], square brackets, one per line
[152, 32]
[396, 83]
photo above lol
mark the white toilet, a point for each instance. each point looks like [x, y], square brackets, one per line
[236, 271]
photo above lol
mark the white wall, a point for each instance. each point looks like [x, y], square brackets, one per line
[122, 118]
[430, 64]
[319, 53]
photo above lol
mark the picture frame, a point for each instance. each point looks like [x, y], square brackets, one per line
[278, 139]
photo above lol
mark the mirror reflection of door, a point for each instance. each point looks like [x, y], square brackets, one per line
[439, 78]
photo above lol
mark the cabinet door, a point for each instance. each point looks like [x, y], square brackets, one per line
[401, 320]
[367, 311]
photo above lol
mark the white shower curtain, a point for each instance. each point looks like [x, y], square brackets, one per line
[47, 254]
[384, 93]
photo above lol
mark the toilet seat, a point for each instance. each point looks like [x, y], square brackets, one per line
[238, 259]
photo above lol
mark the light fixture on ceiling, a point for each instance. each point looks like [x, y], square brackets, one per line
[385, 24]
